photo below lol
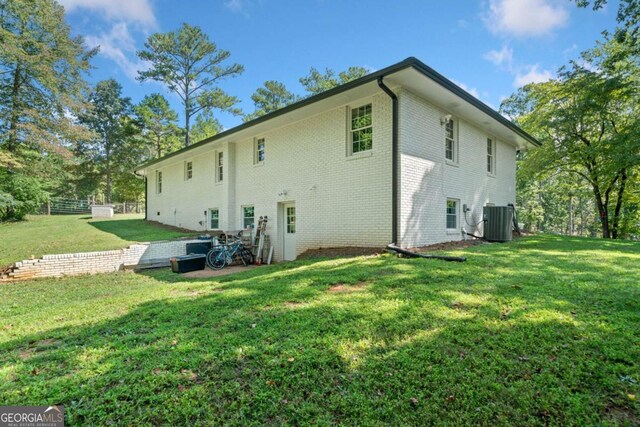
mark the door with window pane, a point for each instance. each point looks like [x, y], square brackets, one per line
[289, 225]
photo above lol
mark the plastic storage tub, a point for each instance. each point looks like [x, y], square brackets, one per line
[186, 263]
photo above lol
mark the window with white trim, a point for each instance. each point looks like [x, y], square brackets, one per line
[259, 151]
[450, 140]
[219, 166]
[491, 156]
[158, 182]
[214, 219]
[452, 214]
[188, 171]
[248, 217]
[361, 129]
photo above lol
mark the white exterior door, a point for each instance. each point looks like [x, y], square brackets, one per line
[289, 240]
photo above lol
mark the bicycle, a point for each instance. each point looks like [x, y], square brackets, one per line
[221, 255]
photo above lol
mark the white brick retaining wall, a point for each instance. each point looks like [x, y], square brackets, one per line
[99, 262]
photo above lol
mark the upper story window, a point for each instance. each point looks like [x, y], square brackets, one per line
[158, 182]
[361, 131]
[248, 217]
[450, 140]
[188, 171]
[491, 156]
[259, 151]
[219, 166]
[452, 214]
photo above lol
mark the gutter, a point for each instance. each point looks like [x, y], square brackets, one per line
[410, 62]
[394, 158]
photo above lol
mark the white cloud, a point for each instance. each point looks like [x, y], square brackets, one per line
[119, 46]
[138, 11]
[502, 57]
[533, 75]
[238, 6]
[471, 90]
[525, 18]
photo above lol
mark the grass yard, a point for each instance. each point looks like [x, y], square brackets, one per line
[541, 331]
[57, 234]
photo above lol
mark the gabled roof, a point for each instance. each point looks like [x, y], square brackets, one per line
[408, 63]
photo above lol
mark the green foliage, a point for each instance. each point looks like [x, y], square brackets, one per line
[108, 117]
[628, 17]
[540, 331]
[59, 234]
[157, 122]
[206, 125]
[41, 76]
[191, 66]
[588, 121]
[20, 195]
[273, 96]
[316, 82]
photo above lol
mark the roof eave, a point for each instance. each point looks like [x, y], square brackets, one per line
[409, 62]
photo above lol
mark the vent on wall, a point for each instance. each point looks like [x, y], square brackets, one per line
[498, 223]
[158, 213]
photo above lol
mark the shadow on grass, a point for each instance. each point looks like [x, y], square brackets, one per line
[139, 230]
[402, 342]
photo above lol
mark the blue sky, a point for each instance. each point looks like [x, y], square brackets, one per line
[490, 47]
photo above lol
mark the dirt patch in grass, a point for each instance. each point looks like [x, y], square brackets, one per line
[342, 287]
[448, 246]
[345, 252]
[294, 304]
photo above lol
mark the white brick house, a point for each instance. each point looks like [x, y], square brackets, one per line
[391, 157]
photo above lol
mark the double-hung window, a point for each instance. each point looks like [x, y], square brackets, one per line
[158, 182]
[219, 166]
[491, 156]
[248, 217]
[259, 151]
[452, 214]
[361, 129]
[450, 140]
[188, 171]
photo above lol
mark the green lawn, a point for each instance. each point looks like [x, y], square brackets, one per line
[41, 235]
[541, 331]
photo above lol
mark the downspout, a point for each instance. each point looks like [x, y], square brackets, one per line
[394, 160]
[146, 211]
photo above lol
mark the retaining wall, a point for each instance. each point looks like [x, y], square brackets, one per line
[100, 262]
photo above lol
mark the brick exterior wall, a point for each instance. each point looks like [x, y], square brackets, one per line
[99, 262]
[428, 180]
[340, 200]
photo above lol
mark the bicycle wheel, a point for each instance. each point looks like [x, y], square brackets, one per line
[246, 256]
[216, 258]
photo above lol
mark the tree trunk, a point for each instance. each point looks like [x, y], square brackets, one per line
[108, 159]
[602, 212]
[618, 208]
[159, 146]
[187, 141]
[12, 142]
